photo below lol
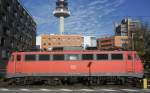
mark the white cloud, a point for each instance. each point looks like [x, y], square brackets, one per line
[85, 17]
[88, 18]
[97, 2]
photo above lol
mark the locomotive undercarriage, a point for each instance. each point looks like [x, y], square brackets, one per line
[72, 80]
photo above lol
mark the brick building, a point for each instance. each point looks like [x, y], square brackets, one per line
[105, 43]
[50, 41]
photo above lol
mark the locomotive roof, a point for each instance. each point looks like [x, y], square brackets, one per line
[70, 52]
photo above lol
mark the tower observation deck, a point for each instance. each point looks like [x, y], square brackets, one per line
[61, 12]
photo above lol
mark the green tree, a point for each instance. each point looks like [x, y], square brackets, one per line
[141, 39]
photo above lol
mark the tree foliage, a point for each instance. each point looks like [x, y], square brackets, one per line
[141, 39]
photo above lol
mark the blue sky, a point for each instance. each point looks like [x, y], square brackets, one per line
[88, 17]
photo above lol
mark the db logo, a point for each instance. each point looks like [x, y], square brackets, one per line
[73, 67]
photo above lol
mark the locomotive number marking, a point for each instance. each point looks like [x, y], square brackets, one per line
[73, 67]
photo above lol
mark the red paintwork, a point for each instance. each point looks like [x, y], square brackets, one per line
[58, 67]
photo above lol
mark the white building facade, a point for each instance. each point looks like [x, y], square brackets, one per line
[89, 41]
[38, 41]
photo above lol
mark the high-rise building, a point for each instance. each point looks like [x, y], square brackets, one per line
[127, 27]
[17, 28]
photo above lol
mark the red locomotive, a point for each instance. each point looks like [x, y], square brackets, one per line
[73, 65]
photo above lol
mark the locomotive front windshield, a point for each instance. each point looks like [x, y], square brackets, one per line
[137, 57]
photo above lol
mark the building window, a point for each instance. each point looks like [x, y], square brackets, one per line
[116, 56]
[4, 18]
[2, 42]
[87, 56]
[44, 44]
[44, 57]
[16, 14]
[31, 57]
[58, 57]
[6, 31]
[59, 43]
[102, 56]
[4, 55]
[8, 8]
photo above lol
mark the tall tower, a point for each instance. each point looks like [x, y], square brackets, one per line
[61, 12]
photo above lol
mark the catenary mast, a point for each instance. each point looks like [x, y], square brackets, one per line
[61, 12]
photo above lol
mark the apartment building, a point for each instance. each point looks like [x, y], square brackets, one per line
[17, 28]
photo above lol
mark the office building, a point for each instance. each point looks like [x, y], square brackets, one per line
[17, 28]
[127, 27]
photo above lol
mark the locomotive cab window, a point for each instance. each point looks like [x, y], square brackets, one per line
[58, 57]
[137, 57]
[116, 56]
[44, 57]
[87, 56]
[129, 57]
[102, 56]
[30, 57]
[12, 58]
[18, 57]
